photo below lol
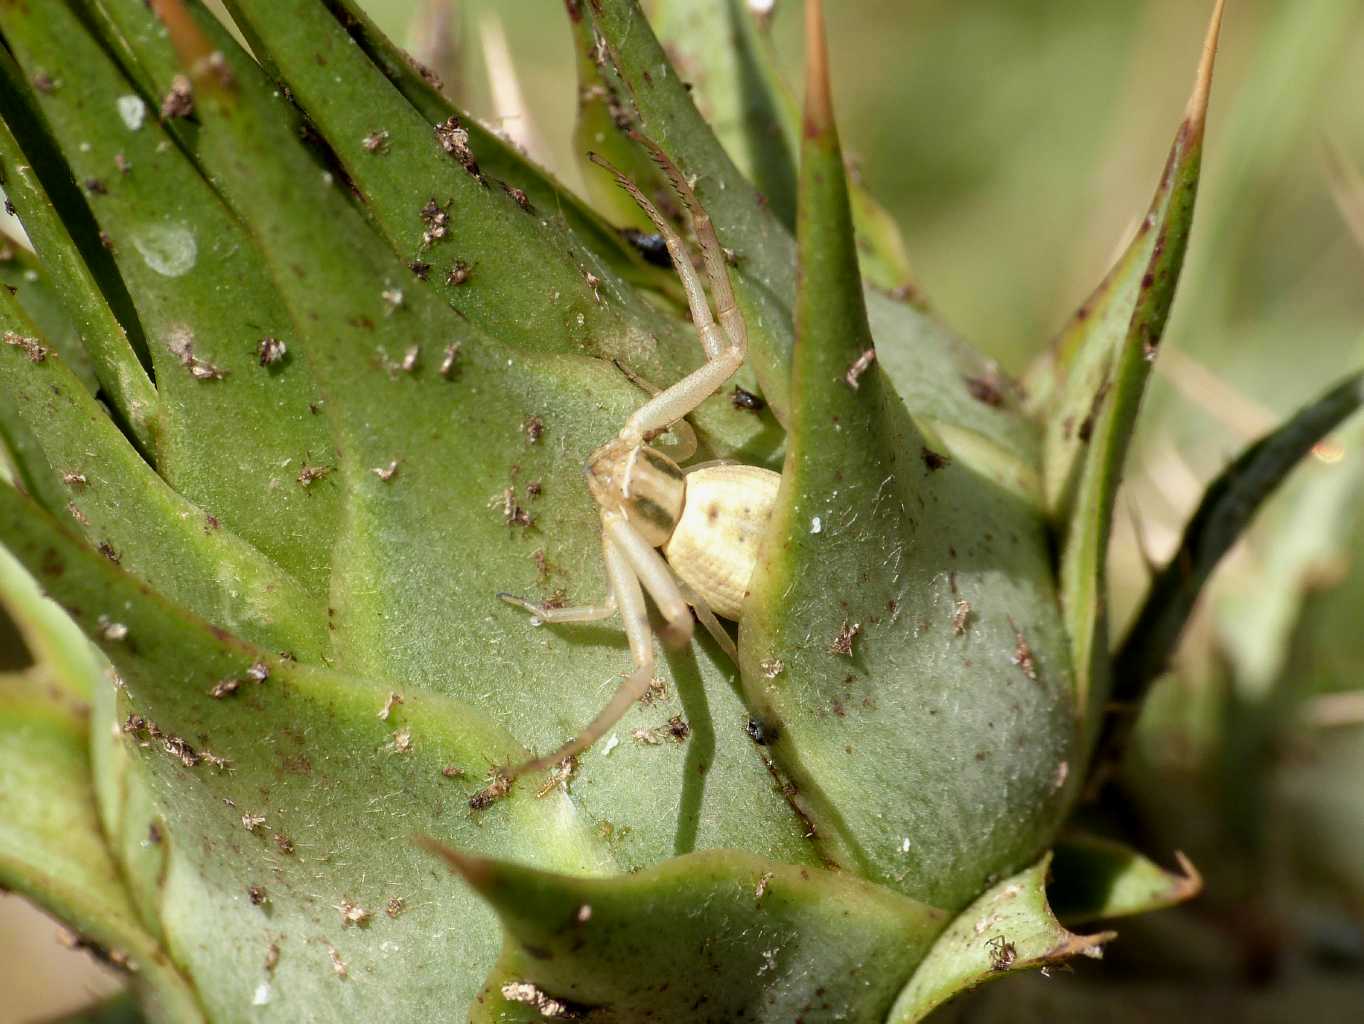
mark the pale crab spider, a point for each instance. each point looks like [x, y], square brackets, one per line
[707, 519]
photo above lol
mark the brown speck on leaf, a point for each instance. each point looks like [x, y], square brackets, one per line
[452, 771]
[558, 776]
[386, 473]
[402, 741]
[526, 993]
[656, 691]
[420, 268]
[339, 967]
[499, 785]
[984, 389]
[309, 475]
[534, 489]
[251, 822]
[761, 890]
[179, 102]
[211, 522]
[1022, 656]
[76, 481]
[842, 643]
[28, 346]
[522, 200]
[746, 400]
[182, 347]
[74, 511]
[535, 429]
[394, 699]
[218, 762]
[284, 843]
[257, 894]
[43, 82]
[1002, 952]
[115, 958]
[772, 667]
[935, 460]
[436, 219]
[110, 630]
[352, 914]
[122, 164]
[375, 142]
[454, 139]
[676, 730]
[449, 360]
[107, 550]
[270, 350]
[224, 688]
[961, 616]
[859, 367]
[394, 907]
[593, 282]
[960, 607]
[259, 672]
[512, 512]
[95, 187]
[272, 957]
[459, 273]
[181, 751]
[1086, 428]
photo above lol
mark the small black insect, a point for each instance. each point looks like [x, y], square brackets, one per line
[760, 734]
[650, 246]
[742, 399]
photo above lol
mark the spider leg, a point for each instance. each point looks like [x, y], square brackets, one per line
[718, 632]
[725, 344]
[712, 253]
[579, 613]
[629, 596]
[652, 571]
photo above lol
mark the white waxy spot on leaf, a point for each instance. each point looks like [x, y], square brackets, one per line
[169, 249]
[816, 525]
[132, 110]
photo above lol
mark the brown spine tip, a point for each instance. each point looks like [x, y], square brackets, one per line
[819, 106]
[1197, 111]
[194, 49]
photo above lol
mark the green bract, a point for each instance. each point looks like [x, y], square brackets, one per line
[303, 371]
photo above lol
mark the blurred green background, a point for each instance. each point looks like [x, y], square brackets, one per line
[1017, 142]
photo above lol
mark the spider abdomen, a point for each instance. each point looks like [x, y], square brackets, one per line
[714, 548]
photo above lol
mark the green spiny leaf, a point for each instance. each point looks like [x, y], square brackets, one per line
[136, 519]
[52, 848]
[898, 642]
[1096, 879]
[497, 158]
[1100, 364]
[300, 732]
[78, 272]
[774, 942]
[229, 425]
[1009, 928]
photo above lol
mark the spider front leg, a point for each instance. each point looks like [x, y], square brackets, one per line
[725, 343]
[627, 560]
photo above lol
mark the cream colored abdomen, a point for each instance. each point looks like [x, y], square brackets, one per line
[715, 546]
